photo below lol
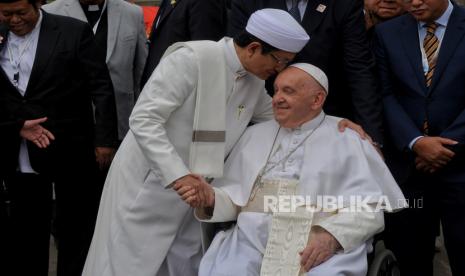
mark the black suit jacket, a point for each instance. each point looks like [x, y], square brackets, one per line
[407, 99]
[67, 77]
[184, 21]
[338, 46]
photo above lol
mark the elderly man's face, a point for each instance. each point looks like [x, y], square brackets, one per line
[298, 98]
[426, 10]
[20, 16]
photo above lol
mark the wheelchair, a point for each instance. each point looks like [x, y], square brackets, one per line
[382, 261]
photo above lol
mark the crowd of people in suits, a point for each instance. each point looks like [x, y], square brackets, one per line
[71, 72]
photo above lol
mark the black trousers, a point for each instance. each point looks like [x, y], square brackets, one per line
[411, 233]
[28, 222]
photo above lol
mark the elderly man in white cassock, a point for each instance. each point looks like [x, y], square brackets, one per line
[302, 158]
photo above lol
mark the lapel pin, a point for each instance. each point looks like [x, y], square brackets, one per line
[173, 2]
[240, 108]
[321, 8]
[1, 39]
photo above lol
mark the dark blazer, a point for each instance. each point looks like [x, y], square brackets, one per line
[66, 78]
[338, 46]
[407, 100]
[184, 21]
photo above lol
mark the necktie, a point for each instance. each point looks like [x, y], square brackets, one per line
[430, 44]
[294, 11]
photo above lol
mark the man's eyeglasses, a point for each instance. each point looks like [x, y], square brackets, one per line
[280, 61]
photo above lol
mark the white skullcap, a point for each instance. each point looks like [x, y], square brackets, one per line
[277, 28]
[315, 72]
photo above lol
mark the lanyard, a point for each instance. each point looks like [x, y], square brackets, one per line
[94, 29]
[16, 63]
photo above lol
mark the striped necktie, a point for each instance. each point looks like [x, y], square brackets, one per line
[294, 11]
[430, 45]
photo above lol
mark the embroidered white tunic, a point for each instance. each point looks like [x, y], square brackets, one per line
[239, 251]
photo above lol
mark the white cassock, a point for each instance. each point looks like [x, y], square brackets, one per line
[143, 227]
[328, 163]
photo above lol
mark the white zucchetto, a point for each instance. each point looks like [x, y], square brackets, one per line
[277, 28]
[315, 72]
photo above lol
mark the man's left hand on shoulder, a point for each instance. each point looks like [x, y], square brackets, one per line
[321, 247]
[346, 123]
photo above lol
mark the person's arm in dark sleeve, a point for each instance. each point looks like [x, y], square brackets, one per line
[359, 66]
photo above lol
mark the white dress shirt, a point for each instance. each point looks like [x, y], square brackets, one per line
[440, 30]
[17, 57]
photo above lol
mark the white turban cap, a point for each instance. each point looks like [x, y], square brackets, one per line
[277, 28]
[315, 72]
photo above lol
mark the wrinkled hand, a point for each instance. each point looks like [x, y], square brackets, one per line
[195, 191]
[37, 134]
[321, 247]
[104, 156]
[345, 123]
[431, 152]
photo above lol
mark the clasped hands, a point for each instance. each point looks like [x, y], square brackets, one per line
[432, 153]
[195, 191]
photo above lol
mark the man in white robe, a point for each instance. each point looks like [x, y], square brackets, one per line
[302, 144]
[143, 227]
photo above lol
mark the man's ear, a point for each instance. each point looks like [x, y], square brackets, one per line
[253, 47]
[319, 100]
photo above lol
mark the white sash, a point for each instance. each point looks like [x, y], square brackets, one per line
[207, 149]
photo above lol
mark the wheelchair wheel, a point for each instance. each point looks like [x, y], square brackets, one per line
[384, 264]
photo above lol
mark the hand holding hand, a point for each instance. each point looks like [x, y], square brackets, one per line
[195, 191]
[321, 247]
[37, 134]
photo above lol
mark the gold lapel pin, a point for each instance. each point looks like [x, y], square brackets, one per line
[173, 2]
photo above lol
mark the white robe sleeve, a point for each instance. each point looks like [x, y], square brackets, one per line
[224, 209]
[352, 229]
[170, 85]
